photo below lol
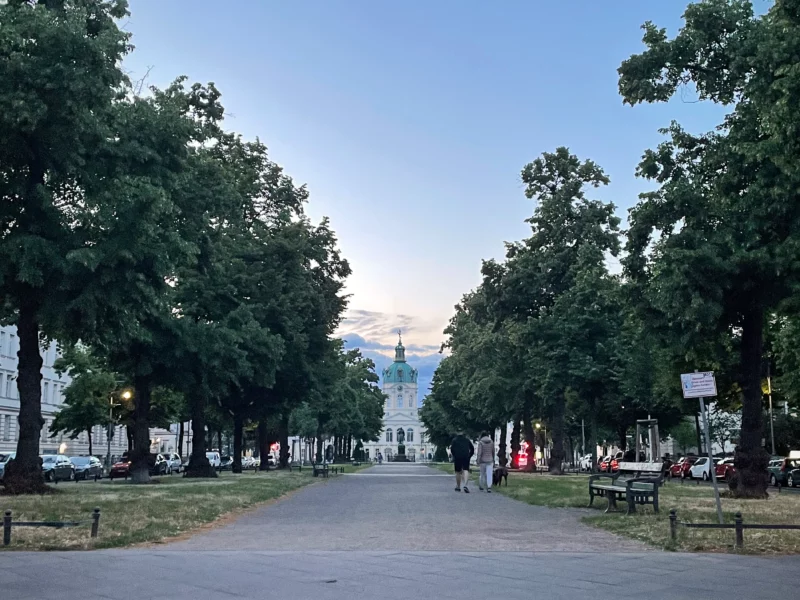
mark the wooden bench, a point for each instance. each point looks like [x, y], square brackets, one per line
[295, 465]
[634, 482]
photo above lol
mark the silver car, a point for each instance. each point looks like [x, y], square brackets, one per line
[174, 462]
[3, 462]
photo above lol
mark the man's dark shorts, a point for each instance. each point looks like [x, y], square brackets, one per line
[461, 464]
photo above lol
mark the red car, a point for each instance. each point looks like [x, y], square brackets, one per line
[120, 469]
[681, 468]
[609, 464]
[725, 468]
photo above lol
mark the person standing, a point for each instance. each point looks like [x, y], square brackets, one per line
[462, 450]
[485, 460]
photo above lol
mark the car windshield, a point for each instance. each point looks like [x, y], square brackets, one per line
[8, 457]
[80, 460]
[48, 459]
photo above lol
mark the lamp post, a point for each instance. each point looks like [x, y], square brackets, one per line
[126, 395]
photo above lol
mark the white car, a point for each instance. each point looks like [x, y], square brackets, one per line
[214, 458]
[701, 469]
[585, 463]
[174, 462]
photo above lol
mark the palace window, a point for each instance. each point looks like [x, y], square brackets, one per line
[400, 401]
[388, 435]
[409, 435]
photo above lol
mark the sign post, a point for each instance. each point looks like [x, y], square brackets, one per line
[703, 385]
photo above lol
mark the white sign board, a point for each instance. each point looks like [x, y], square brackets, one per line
[699, 385]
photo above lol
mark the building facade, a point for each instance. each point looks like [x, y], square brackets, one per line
[53, 386]
[403, 432]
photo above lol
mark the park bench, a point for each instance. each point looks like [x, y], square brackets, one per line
[295, 465]
[326, 469]
[634, 482]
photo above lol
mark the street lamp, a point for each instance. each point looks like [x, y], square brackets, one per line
[126, 395]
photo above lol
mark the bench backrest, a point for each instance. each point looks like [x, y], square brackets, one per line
[645, 468]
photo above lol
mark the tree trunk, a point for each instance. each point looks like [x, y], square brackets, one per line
[180, 439]
[593, 436]
[238, 429]
[140, 471]
[697, 431]
[516, 434]
[622, 433]
[530, 437]
[24, 473]
[556, 463]
[263, 444]
[283, 434]
[750, 458]
[501, 451]
[318, 457]
[219, 441]
[90, 440]
[129, 436]
[199, 465]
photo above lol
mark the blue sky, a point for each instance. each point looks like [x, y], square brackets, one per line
[411, 121]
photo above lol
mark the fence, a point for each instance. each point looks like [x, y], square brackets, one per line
[738, 526]
[8, 523]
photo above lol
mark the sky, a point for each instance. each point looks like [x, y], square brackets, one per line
[410, 122]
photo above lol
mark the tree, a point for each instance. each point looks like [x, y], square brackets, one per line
[684, 434]
[714, 246]
[52, 135]
[87, 398]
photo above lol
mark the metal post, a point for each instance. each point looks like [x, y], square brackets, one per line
[771, 426]
[638, 440]
[673, 524]
[7, 528]
[711, 460]
[739, 530]
[95, 522]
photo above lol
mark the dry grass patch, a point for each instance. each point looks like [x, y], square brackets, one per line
[148, 513]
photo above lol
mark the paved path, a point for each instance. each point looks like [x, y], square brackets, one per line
[406, 507]
[370, 536]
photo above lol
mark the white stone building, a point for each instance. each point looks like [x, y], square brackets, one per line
[53, 386]
[401, 424]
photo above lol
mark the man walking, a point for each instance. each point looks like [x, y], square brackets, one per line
[485, 462]
[462, 450]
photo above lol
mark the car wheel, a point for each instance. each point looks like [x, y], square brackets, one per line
[772, 481]
[48, 476]
[705, 476]
[790, 481]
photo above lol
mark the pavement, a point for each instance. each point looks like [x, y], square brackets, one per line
[395, 531]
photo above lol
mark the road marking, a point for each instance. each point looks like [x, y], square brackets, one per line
[396, 475]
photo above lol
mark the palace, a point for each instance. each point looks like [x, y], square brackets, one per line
[403, 436]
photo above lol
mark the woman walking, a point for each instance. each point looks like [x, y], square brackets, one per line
[485, 462]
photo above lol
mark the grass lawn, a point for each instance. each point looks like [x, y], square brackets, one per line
[695, 504]
[133, 514]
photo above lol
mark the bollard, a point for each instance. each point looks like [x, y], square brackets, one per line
[739, 531]
[95, 522]
[673, 524]
[7, 528]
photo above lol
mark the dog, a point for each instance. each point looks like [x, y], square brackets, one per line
[498, 474]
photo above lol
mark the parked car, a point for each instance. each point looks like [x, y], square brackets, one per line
[681, 468]
[57, 467]
[786, 477]
[701, 469]
[725, 468]
[214, 458]
[87, 467]
[157, 465]
[174, 462]
[4, 462]
[774, 468]
[226, 463]
[248, 462]
[585, 463]
[603, 464]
